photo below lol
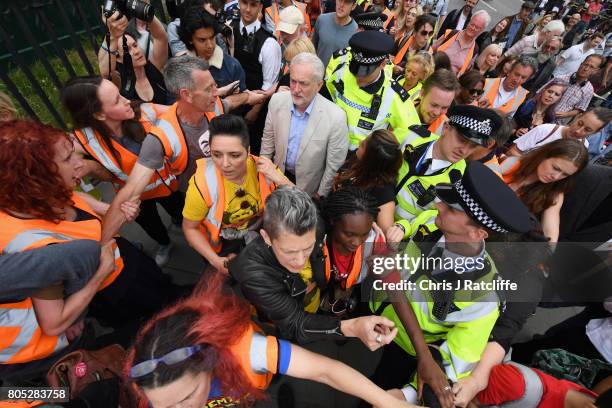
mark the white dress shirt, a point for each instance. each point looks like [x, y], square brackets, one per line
[270, 56]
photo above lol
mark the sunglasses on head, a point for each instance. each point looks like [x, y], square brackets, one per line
[476, 91]
[173, 357]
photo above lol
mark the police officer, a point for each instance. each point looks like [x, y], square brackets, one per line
[365, 22]
[451, 312]
[372, 21]
[430, 159]
[367, 93]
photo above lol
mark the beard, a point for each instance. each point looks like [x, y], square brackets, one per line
[542, 57]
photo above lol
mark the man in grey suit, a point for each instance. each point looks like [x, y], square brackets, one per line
[305, 134]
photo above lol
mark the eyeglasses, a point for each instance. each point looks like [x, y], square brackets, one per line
[426, 33]
[476, 91]
[173, 357]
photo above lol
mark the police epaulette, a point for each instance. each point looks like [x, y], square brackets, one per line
[403, 94]
[420, 130]
[341, 52]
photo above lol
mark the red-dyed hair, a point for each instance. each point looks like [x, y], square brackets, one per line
[30, 182]
[211, 316]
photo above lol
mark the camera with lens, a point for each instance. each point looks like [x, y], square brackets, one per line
[224, 19]
[129, 8]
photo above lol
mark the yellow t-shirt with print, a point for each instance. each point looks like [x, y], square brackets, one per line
[313, 296]
[239, 211]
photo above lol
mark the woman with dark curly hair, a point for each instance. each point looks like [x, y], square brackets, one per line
[375, 169]
[205, 351]
[38, 170]
[352, 238]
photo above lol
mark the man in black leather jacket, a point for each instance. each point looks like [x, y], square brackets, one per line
[268, 275]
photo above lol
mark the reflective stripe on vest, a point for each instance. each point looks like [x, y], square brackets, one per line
[534, 389]
[359, 267]
[469, 55]
[209, 181]
[437, 125]
[493, 164]
[168, 131]
[18, 235]
[21, 338]
[149, 111]
[163, 182]
[509, 167]
[383, 111]
[258, 356]
[259, 360]
[490, 94]
[415, 92]
[407, 207]
[463, 333]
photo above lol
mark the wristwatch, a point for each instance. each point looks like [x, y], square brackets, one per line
[115, 52]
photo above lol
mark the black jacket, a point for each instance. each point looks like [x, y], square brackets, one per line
[450, 22]
[278, 294]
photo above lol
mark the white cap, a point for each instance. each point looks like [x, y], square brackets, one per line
[290, 18]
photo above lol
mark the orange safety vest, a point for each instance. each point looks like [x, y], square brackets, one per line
[399, 57]
[490, 93]
[162, 183]
[437, 125]
[274, 14]
[19, 234]
[359, 268]
[209, 182]
[508, 167]
[493, 164]
[21, 338]
[447, 44]
[390, 18]
[259, 367]
[168, 131]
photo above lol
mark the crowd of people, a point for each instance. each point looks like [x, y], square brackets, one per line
[300, 146]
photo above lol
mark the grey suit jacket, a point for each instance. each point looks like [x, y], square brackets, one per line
[323, 146]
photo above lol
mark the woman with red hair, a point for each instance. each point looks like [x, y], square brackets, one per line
[213, 355]
[38, 171]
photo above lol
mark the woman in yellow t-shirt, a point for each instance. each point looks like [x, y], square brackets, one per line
[226, 195]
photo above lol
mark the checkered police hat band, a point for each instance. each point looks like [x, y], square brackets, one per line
[476, 210]
[358, 57]
[481, 126]
[376, 23]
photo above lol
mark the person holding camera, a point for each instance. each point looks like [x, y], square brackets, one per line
[121, 60]
[198, 31]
